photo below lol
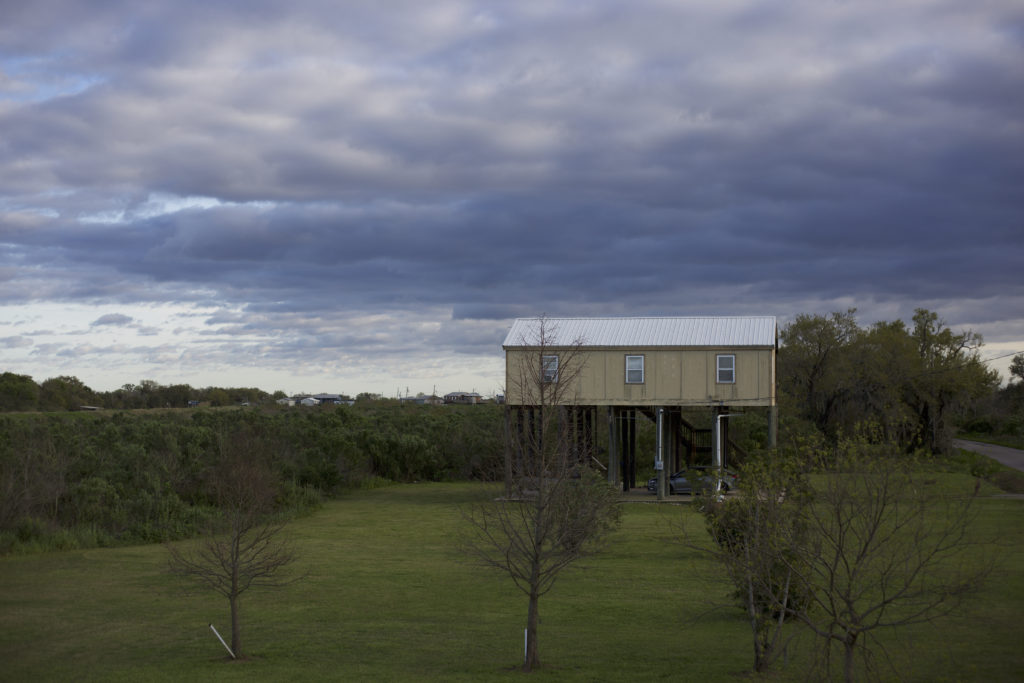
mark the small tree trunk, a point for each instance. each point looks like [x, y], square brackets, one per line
[236, 624]
[755, 626]
[532, 660]
[848, 644]
[236, 628]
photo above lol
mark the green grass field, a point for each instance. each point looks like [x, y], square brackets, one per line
[389, 598]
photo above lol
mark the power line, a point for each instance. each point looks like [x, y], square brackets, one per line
[1005, 355]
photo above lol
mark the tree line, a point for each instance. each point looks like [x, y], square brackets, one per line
[21, 393]
[98, 478]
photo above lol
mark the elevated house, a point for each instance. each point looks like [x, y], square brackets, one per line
[333, 399]
[422, 399]
[470, 397]
[664, 368]
[316, 400]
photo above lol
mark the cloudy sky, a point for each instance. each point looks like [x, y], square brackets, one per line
[359, 196]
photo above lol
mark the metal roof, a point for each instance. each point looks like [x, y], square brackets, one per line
[705, 331]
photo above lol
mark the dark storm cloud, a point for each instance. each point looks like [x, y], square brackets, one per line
[296, 169]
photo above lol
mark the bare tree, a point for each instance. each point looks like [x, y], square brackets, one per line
[887, 548]
[556, 510]
[246, 550]
[875, 546]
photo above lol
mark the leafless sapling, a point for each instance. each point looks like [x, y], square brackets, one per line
[888, 548]
[556, 510]
[247, 549]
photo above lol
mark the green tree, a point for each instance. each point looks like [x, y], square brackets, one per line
[128, 396]
[65, 393]
[149, 392]
[1017, 367]
[176, 395]
[218, 397]
[18, 392]
[757, 540]
[886, 363]
[949, 375]
[816, 365]
[915, 383]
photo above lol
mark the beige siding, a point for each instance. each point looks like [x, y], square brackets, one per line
[681, 376]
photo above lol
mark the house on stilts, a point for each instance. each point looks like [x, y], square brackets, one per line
[666, 369]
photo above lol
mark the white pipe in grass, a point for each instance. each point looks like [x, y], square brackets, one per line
[222, 642]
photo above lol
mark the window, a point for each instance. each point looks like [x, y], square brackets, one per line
[549, 368]
[727, 369]
[634, 369]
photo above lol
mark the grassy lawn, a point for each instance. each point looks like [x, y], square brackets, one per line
[389, 598]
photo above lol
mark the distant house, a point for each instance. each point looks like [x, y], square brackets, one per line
[462, 397]
[422, 399]
[316, 400]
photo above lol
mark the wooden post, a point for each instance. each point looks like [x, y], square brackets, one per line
[673, 441]
[631, 423]
[589, 427]
[508, 450]
[660, 455]
[624, 449]
[628, 433]
[613, 446]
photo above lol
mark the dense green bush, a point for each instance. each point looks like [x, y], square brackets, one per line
[66, 478]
